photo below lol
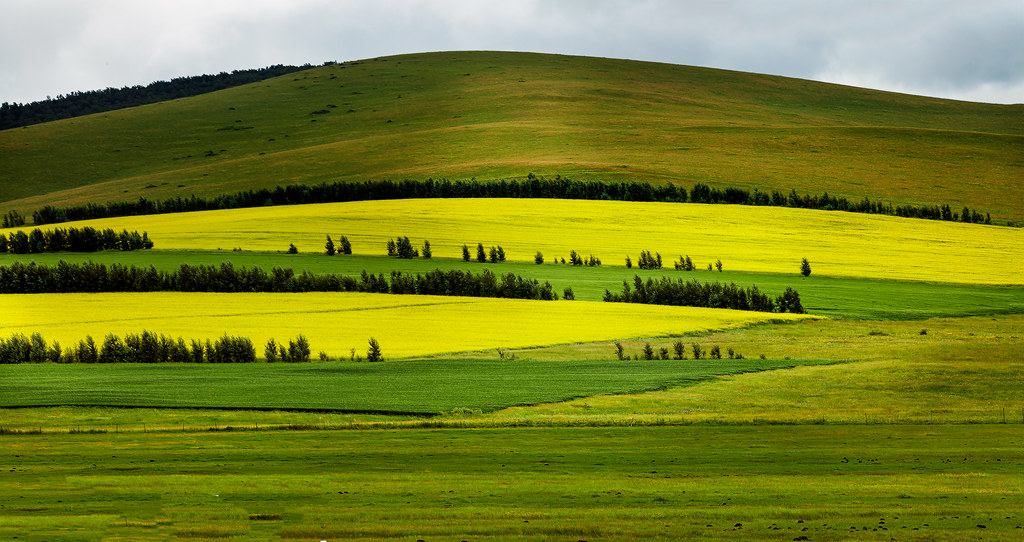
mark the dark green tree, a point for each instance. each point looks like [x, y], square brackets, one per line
[465, 253]
[427, 254]
[346, 247]
[648, 351]
[298, 350]
[329, 247]
[270, 351]
[537, 258]
[481, 255]
[292, 249]
[568, 294]
[805, 268]
[680, 350]
[373, 353]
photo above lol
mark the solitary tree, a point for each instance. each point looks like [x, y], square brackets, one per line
[805, 268]
[373, 352]
[292, 249]
[538, 258]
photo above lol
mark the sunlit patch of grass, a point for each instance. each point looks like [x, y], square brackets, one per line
[961, 371]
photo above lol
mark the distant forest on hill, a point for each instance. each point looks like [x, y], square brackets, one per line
[81, 103]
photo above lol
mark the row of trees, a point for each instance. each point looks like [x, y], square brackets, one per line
[401, 247]
[495, 255]
[679, 352]
[85, 239]
[145, 347]
[31, 278]
[13, 115]
[703, 193]
[148, 347]
[577, 259]
[531, 187]
[12, 219]
[713, 295]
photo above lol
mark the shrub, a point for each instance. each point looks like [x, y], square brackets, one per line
[568, 294]
[680, 350]
[292, 249]
[716, 353]
[648, 351]
[663, 352]
[698, 352]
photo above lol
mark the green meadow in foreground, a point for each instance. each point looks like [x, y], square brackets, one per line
[424, 387]
[492, 115]
[905, 482]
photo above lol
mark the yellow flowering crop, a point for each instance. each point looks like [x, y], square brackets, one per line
[406, 325]
[768, 239]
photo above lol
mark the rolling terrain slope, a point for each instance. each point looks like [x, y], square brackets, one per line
[492, 115]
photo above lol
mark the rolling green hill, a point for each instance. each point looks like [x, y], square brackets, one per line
[492, 115]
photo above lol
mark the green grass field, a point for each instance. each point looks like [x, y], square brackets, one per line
[916, 482]
[495, 115]
[427, 386]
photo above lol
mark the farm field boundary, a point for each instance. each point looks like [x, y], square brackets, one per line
[835, 297]
[753, 239]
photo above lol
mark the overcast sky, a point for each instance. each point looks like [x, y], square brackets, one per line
[965, 49]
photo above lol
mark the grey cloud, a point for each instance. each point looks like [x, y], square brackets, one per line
[937, 47]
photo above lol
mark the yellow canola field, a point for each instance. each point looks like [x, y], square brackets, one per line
[766, 239]
[407, 325]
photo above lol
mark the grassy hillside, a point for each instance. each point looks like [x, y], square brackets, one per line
[491, 115]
